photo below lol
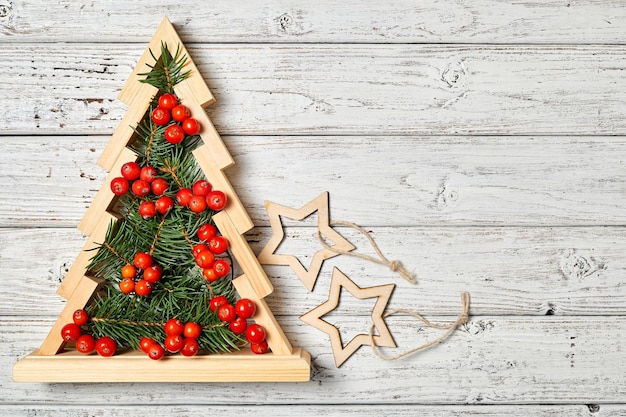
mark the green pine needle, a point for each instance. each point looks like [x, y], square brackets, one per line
[167, 70]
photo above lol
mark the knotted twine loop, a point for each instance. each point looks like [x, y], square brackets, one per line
[394, 265]
[461, 319]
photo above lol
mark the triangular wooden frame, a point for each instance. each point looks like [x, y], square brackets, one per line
[51, 363]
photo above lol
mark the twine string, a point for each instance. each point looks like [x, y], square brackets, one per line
[449, 328]
[395, 265]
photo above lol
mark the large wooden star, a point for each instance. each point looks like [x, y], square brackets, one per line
[341, 352]
[268, 255]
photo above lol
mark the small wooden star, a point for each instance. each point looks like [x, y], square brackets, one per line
[268, 255]
[341, 352]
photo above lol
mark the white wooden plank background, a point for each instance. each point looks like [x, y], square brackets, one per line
[509, 270]
[481, 142]
[351, 21]
[435, 180]
[337, 89]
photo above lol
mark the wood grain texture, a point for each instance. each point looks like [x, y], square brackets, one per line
[492, 360]
[134, 366]
[508, 271]
[365, 410]
[530, 21]
[482, 142]
[390, 181]
[336, 89]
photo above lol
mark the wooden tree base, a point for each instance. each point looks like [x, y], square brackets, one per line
[132, 366]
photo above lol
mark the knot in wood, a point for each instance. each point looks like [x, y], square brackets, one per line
[284, 21]
[454, 75]
[479, 326]
[575, 265]
[447, 196]
[320, 106]
[6, 10]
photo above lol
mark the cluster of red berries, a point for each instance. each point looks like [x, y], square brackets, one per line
[85, 343]
[141, 275]
[204, 253]
[142, 181]
[169, 110]
[236, 316]
[200, 197]
[179, 337]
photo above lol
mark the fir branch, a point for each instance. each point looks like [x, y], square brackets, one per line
[111, 249]
[171, 171]
[156, 236]
[147, 135]
[186, 236]
[150, 140]
[121, 321]
[167, 70]
[149, 323]
[129, 318]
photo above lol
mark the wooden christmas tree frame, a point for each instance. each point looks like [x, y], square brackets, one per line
[53, 363]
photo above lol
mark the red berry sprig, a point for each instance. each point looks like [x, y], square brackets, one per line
[204, 254]
[179, 338]
[236, 316]
[200, 197]
[151, 348]
[141, 276]
[177, 118]
[142, 181]
[85, 343]
[255, 334]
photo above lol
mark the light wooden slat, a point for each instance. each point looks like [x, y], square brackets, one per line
[493, 360]
[337, 89]
[241, 366]
[535, 21]
[104, 198]
[562, 181]
[83, 290]
[340, 410]
[243, 254]
[276, 339]
[79, 265]
[125, 131]
[237, 213]
[507, 270]
[211, 138]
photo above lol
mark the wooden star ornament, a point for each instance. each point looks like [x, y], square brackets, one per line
[268, 255]
[339, 281]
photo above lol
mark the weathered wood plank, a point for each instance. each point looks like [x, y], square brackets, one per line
[491, 360]
[372, 181]
[531, 271]
[336, 89]
[365, 410]
[534, 21]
